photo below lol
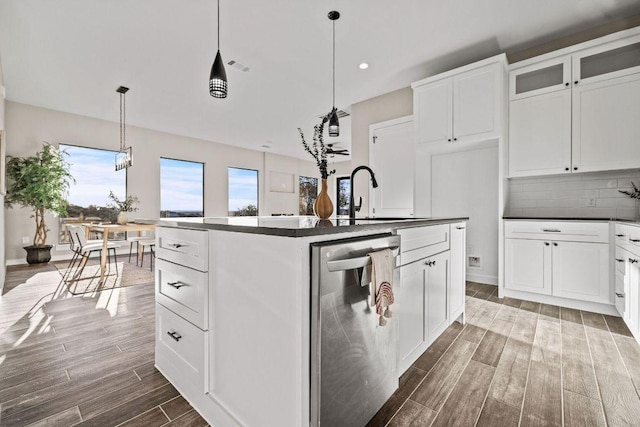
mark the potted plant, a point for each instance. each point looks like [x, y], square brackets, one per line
[123, 207]
[41, 183]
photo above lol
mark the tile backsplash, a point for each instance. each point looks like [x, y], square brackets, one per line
[589, 195]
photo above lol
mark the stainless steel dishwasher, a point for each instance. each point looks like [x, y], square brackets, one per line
[353, 359]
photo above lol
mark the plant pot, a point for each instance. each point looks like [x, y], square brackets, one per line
[38, 254]
[323, 208]
[123, 218]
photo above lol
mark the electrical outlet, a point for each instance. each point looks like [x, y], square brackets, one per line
[25, 240]
[591, 201]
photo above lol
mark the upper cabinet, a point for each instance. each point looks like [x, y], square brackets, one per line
[461, 105]
[577, 112]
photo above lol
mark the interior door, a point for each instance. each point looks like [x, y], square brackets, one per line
[392, 160]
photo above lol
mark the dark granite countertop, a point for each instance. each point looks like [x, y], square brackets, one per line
[296, 226]
[528, 218]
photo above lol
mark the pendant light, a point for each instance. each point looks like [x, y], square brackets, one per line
[218, 76]
[124, 157]
[334, 125]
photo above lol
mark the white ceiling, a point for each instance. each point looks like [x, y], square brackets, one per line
[71, 55]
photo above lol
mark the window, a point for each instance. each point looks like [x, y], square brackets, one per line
[95, 175]
[308, 194]
[243, 192]
[344, 194]
[181, 188]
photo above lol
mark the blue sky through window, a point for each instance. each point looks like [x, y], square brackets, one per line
[243, 188]
[95, 175]
[181, 186]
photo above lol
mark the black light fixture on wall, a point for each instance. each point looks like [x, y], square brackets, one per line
[334, 125]
[218, 76]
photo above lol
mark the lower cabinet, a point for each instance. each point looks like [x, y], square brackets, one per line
[431, 294]
[424, 313]
[528, 265]
[633, 320]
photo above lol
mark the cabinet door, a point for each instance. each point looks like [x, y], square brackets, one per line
[606, 125]
[528, 265]
[540, 134]
[542, 77]
[432, 111]
[476, 113]
[633, 321]
[615, 59]
[581, 271]
[437, 272]
[392, 158]
[457, 274]
[411, 314]
[619, 296]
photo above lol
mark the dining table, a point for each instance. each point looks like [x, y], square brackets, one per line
[107, 229]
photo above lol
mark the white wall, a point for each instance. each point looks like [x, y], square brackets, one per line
[2, 236]
[29, 126]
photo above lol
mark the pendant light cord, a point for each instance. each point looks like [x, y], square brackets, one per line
[334, 64]
[218, 25]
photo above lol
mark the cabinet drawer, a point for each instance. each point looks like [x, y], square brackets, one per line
[182, 246]
[619, 260]
[595, 232]
[183, 291]
[422, 242]
[628, 237]
[180, 348]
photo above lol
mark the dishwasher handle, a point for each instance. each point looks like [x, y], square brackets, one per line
[356, 262]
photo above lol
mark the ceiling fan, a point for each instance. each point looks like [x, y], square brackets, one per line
[340, 152]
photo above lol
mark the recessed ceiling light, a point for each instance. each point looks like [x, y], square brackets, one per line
[363, 66]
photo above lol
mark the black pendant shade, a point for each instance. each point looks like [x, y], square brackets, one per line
[334, 125]
[218, 78]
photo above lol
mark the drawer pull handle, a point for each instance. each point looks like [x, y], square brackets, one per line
[619, 235]
[634, 240]
[177, 245]
[176, 336]
[631, 260]
[619, 260]
[176, 285]
[459, 228]
[551, 230]
[619, 295]
[430, 263]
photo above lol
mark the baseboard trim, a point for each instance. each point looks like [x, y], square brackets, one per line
[481, 278]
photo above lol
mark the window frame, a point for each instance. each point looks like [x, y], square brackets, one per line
[203, 181]
[257, 188]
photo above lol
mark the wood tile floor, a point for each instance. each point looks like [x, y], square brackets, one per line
[518, 363]
[88, 360]
[81, 360]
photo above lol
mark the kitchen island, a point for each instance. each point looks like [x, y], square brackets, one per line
[233, 310]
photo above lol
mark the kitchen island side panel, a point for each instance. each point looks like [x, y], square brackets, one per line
[258, 361]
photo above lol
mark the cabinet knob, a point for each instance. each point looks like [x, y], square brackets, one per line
[449, 139]
[619, 295]
[430, 263]
[566, 169]
[566, 84]
[455, 139]
[546, 243]
[555, 244]
[176, 336]
[631, 260]
[575, 168]
[576, 82]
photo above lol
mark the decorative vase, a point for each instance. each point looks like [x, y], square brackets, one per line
[123, 218]
[323, 208]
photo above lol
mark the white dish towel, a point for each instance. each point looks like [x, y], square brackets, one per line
[379, 276]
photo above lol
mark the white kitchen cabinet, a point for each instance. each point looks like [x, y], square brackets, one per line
[437, 282]
[540, 134]
[633, 321]
[528, 265]
[581, 271]
[561, 261]
[576, 111]
[461, 105]
[605, 125]
[627, 273]
[457, 271]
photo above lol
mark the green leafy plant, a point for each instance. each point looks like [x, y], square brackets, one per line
[635, 194]
[318, 150]
[40, 182]
[126, 205]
